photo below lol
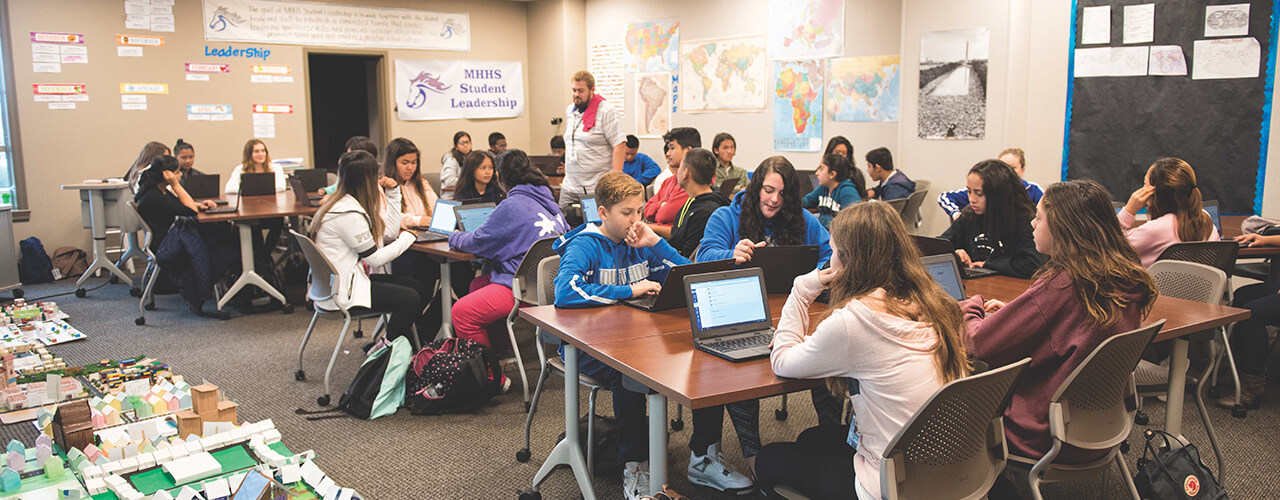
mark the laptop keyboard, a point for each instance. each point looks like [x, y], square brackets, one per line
[425, 237]
[646, 302]
[739, 343]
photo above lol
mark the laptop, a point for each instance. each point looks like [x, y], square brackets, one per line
[589, 211]
[300, 193]
[783, 263]
[203, 186]
[1211, 208]
[226, 209]
[942, 246]
[313, 179]
[671, 297]
[729, 313]
[946, 272]
[443, 222]
[471, 216]
[257, 184]
[548, 164]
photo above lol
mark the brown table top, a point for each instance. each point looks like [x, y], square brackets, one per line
[441, 249]
[281, 204]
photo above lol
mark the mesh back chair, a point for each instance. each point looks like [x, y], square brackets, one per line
[146, 293]
[523, 286]
[433, 180]
[546, 293]
[129, 226]
[322, 272]
[1092, 410]
[911, 212]
[899, 205]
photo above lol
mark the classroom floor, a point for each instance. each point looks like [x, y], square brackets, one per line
[405, 457]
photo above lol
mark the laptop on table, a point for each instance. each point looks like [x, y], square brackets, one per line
[443, 222]
[301, 194]
[313, 179]
[204, 186]
[224, 208]
[671, 297]
[941, 246]
[782, 264]
[946, 272]
[471, 216]
[729, 313]
[257, 184]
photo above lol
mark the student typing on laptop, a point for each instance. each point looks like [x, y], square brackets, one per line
[994, 231]
[622, 258]
[161, 198]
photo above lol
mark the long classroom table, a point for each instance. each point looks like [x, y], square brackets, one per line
[248, 210]
[440, 251]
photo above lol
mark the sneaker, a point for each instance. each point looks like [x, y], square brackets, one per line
[710, 470]
[635, 480]
[506, 385]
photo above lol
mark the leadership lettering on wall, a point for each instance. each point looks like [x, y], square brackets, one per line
[445, 90]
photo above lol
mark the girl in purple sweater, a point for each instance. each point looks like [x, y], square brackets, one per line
[1092, 288]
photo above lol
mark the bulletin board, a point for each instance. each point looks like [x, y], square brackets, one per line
[1117, 126]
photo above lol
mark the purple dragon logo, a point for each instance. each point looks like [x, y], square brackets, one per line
[421, 84]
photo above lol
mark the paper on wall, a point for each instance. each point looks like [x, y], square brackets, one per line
[1095, 25]
[1093, 62]
[137, 7]
[134, 98]
[281, 79]
[44, 48]
[1167, 60]
[45, 58]
[260, 78]
[49, 67]
[1226, 58]
[48, 98]
[137, 22]
[1226, 20]
[197, 77]
[221, 118]
[264, 125]
[76, 97]
[1139, 23]
[198, 117]
[75, 59]
[129, 106]
[73, 50]
[1129, 61]
[62, 105]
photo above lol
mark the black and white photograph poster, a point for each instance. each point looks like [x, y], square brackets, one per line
[953, 84]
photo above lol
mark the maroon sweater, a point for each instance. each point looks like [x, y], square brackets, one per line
[1048, 324]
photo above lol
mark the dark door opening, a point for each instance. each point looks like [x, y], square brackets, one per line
[344, 103]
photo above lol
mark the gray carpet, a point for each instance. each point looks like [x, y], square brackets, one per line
[406, 457]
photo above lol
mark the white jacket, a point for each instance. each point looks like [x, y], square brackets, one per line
[344, 238]
[449, 170]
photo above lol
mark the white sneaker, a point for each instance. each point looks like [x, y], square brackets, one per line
[709, 470]
[635, 480]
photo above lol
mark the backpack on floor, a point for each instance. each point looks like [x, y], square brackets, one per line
[70, 261]
[1168, 473]
[452, 376]
[378, 388]
[34, 265]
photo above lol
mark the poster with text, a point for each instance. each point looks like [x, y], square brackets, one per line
[653, 115]
[607, 63]
[953, 84]
[797, 106]
[803, 29]
[653, 46]
[445, 90]
[864, 89]
[727, 74]
[305, 23]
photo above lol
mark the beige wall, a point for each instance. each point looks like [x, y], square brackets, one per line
[98, 139]
[557, 48]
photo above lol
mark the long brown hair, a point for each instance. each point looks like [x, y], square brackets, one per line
[395, 149]
[358, 177]
[246, 160]
[149, 153]
[1009, 208]
[788, 225]
[1177, 193]
[877, 253]
[1090, 247]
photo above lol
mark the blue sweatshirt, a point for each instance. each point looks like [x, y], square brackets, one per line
[643, 169]
[595, 271]
[722, 233]
[527, 215]
[896, 186]
[955, 201]
[830, 201]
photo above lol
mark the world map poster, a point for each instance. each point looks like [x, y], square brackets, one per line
[653, 114]
[653, 46]
[864, 89]
[803, 29]
[797, 106]
[727, 74]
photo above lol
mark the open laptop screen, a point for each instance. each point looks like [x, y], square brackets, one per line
[944, 271]
[443, 220]
[471, 217]
[730, 301]
[1211, 207]
[589, 210]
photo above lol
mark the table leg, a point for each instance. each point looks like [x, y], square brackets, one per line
[657, 442]
[98, 224]
[248, 276]
[446, 302]
[569, 450]
[1177, 387]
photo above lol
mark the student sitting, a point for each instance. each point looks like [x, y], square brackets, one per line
[1092, 288]
[497, 144]
[891, 327]
[355, 143]
[1172, 200]
[616, 259]
[529, 214]
[255, 160]
[894, 184]
[451, 162]
[952, 202]
[161, 197]
[186, 154]
[834, 190]
[660, 211]
[557, 149]
[839, 145]
[150, 151]
[476, 182]
[350, 229]
[725, 148]
[1250, 343]
[638, 165]
[994, 231]
[694, 176]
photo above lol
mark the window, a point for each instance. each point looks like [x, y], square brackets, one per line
[11, 185]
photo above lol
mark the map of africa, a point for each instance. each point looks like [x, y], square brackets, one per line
[728, 74]
[806, 28]
[653, 46]
[797, 106]
[864, 89]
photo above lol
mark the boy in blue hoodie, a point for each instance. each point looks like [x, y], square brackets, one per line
[622, 258]
[834, 190]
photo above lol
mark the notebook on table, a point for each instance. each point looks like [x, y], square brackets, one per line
[672, 297]
[782, 264]
[471, 216]
[443, 222]
[729, 313]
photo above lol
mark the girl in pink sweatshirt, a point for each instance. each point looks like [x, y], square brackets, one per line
[1172, 199]
[891, 327]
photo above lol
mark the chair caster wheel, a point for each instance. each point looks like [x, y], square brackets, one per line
[1239, 412]
[530, 495]
[135, 292]
[527, 405]
[300, 375]
[1213, 393]
[780, 414]
[1141, 418]
[677, 425]
[113, 279]
[80, 292]
[287, 309]
[18, 293]
[522, 456]
[222, 315]
[140, 321]
[323, 400]
[1124, 447]
[358, 334]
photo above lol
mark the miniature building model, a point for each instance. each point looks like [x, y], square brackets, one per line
[73, 425]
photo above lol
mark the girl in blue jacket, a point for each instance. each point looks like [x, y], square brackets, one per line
[835, 190]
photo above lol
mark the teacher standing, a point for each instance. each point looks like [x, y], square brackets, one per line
[594, 141]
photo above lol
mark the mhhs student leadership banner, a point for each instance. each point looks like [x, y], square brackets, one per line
[444, 90]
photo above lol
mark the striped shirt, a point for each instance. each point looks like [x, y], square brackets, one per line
[589, 155]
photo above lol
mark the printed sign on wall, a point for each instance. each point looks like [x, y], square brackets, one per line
[277, 21]
[445, 90]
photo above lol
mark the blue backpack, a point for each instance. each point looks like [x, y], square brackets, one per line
[34, 265]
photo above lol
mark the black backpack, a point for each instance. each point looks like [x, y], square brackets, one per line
[452, 376]
[34, 265]
[379, 385]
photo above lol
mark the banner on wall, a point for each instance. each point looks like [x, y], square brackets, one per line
[306, 23]
[446, 90]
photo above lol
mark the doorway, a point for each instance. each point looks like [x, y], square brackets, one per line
[345, 101]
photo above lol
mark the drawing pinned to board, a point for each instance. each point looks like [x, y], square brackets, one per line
[653, 45]
[1139, 23]
[1226, 58]
[1226, 20]
[727, 74]
[803, 29]
[1129, 61]
[607, 64]
[797, 105]
[953, 84]
[1095, 25]
[1167, 60]
[653, 115]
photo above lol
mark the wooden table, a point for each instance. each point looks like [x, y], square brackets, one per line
[248, 210]
[1231, 229]
[96, 194]
[440, 251]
